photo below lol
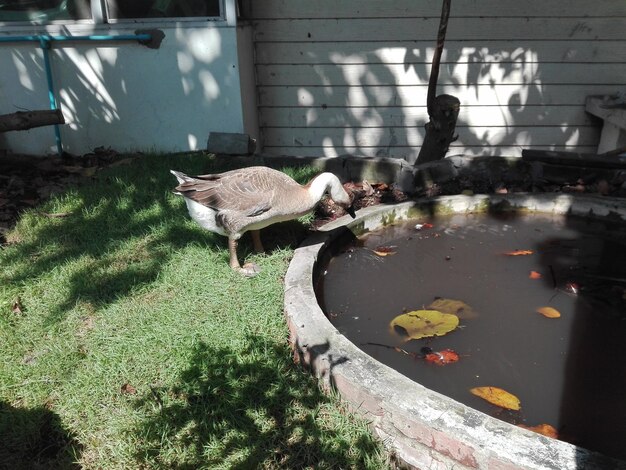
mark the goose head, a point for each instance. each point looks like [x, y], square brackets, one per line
[328, 183]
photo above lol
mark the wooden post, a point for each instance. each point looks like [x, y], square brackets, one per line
[443, 110]
[23, 120]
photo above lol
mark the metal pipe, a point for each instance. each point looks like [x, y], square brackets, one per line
[92, 37]
[45, 42]
[45, 47]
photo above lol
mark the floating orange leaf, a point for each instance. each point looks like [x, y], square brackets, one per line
[497, 396]
[385, 250]
[549, 312]
[534, 275]
[543, 429]
[442, 358]
[519, 253]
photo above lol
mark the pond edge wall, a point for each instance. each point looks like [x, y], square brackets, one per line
[423, 428]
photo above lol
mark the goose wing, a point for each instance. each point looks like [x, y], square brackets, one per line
[250, 191]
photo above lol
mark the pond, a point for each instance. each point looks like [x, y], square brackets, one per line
[568, 372]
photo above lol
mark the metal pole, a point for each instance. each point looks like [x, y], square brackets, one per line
[44, 43]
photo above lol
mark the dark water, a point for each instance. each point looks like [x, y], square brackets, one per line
[568, 372]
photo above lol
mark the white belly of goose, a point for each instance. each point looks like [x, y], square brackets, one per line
[204, 216]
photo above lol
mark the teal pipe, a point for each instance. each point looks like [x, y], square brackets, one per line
[45, 43]
[45, 47]
[144, 37]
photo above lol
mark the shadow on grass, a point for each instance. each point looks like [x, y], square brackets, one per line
[113, 235]
[247, 408]
[35, 439]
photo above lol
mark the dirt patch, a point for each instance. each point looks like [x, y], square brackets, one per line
[26, 180]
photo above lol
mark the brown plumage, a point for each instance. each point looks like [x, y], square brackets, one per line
[249, 199]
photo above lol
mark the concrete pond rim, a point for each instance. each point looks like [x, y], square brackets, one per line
[423, 428]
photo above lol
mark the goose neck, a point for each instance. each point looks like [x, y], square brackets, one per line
[326, 182]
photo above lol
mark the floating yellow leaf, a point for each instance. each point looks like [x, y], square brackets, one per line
[454, 307]
[544, 429]
[549, 312]
[385, 250]
[497, 396]
[519, 253]
[424, 323]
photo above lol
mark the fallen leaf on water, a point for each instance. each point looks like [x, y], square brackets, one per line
[497, 396]
[424, 323]
[385, 250]
[549, 312]
[454, 307]
[534, 275]
[442, 358]
[519, 253]
[544, 429]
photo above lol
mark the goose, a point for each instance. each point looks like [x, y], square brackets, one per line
[249, 199]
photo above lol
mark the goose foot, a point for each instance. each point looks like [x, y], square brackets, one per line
[249, 270]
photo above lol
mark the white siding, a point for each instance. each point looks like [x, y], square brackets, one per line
[340, 76]
[126, 96]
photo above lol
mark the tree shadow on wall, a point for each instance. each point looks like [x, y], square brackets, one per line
[364, 98]
[246, 408]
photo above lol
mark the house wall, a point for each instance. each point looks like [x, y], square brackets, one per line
[339, 76]
[127, 96]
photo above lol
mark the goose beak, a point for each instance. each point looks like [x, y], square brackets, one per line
[350, 210]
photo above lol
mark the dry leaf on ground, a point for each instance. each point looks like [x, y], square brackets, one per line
[16, 306]
[128, 389]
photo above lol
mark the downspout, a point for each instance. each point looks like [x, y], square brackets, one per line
[151, 39]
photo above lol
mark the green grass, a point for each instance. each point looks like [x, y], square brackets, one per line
[137, 347]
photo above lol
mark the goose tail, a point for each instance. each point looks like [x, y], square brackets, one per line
[181, 177]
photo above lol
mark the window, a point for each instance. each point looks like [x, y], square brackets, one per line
[45, 11]
[121, 9]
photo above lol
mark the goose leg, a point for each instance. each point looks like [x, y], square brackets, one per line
[248, 269]
[232, 250]
[256, 241]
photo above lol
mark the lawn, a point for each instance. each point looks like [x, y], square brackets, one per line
[127, 342]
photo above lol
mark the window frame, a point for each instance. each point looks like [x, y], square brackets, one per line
[99, 19]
